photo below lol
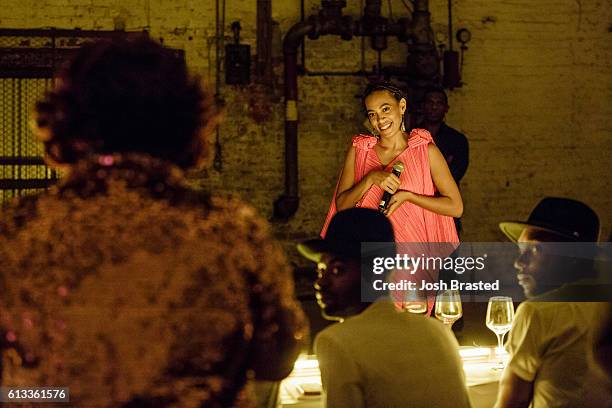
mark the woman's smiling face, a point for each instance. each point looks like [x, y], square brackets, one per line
[385, 113]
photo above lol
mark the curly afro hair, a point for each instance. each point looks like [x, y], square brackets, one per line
[127, 95]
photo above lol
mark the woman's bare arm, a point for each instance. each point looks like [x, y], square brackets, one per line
[349, 192]
[448, 203]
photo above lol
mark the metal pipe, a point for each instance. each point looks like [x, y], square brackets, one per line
[450, 25]
[341, 73]
[372, 8]
[287, 204]
[330, 21]
[302, 45]
[218, 161]
[217, 48]
[264, 41]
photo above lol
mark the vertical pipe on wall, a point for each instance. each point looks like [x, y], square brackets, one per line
[264, 42]
[287, 204]
[303, 43]
[217, 161]
[450, 25]
[330, 21]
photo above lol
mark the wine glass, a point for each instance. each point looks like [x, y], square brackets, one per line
[500, 314]
[415, 301]
[448, 307]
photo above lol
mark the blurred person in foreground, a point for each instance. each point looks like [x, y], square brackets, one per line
[551, 336]
[120, 282]
[377, 356]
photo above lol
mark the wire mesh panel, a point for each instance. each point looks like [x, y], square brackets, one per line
[22, 169]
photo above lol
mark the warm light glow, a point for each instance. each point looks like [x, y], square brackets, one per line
[304, 362]
[500, 352]
[474, 352]
[477, 364]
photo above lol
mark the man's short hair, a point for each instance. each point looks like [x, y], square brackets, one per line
[436, 89]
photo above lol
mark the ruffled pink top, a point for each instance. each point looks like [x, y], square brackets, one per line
[411, 223]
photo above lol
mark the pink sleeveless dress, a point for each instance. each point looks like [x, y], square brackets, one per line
[411, 223]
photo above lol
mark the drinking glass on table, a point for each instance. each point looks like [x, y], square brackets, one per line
[448, 307]
[500, 314]
[415, 301]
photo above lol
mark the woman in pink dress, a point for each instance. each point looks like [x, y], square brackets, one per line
[424, 197]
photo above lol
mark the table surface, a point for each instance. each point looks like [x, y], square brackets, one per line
[478, 362]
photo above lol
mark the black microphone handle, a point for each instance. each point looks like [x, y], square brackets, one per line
[387, 195]
[385, 200]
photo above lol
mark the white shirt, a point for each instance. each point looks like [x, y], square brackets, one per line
[384, 358]
[549, 346]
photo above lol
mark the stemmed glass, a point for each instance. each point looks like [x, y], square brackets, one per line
[415, 301]
[500, 314]
[448, 307]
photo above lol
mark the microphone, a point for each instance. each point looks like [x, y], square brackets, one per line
[398, 167]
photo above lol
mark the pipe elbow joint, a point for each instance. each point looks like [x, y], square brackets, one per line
[285, 207]
[317, 27]
[294, 36]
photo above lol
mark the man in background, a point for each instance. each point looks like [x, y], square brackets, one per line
[377, 356]
[452, 143]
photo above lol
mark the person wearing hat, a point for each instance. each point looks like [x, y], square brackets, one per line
[549, 340]
[377, 356]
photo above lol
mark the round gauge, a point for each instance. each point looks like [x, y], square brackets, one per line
[440, 36]
[464, 36]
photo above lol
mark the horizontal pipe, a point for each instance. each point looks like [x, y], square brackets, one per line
[26, 184]
[330, 24]
[21, 161]
[61, 32]
[340, 73]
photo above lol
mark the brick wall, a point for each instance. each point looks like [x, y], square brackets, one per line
[535, 104]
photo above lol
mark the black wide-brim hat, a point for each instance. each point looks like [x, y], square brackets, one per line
[570, 219]
[347, 231]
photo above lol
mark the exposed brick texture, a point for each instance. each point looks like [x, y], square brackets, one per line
[535, 103]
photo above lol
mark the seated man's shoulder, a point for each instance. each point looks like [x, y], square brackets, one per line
[332, 339]
[349, 331]
[381, 322]
[538, 308]
[542, 313]
[341, 331]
